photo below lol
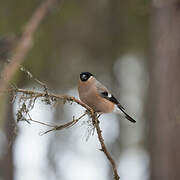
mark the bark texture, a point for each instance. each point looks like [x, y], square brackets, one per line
[164, 107]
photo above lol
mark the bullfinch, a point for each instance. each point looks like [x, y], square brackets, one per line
[97, 96]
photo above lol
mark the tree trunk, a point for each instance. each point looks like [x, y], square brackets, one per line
[6, 162]
[164, 107]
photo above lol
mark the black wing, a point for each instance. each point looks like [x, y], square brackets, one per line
[111, 98]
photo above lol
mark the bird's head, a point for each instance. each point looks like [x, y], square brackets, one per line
[84, 76]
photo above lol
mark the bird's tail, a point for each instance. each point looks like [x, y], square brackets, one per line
[129, 117]
[126, 115]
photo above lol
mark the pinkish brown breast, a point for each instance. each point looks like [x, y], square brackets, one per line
[88, 94]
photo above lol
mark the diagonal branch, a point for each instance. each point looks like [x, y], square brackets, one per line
[103, 147]
[25, 42]
[36, 94]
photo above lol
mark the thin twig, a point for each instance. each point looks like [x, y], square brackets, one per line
[39, 122]
[67, 125]
[25, 42]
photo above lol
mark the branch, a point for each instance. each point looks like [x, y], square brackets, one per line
[103, 147]
[25, 42]
[90, 111]
[67, 125]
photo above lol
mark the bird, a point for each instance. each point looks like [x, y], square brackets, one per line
[98, 97]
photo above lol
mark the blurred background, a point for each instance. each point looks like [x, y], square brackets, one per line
[130, 46]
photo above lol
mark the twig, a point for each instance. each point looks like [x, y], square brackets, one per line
[25, 42]
[74, 121]
[67, 125]
[39, 122]
[103, 146]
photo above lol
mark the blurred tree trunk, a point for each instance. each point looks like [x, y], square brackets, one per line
[6, 161]
[164, 108]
